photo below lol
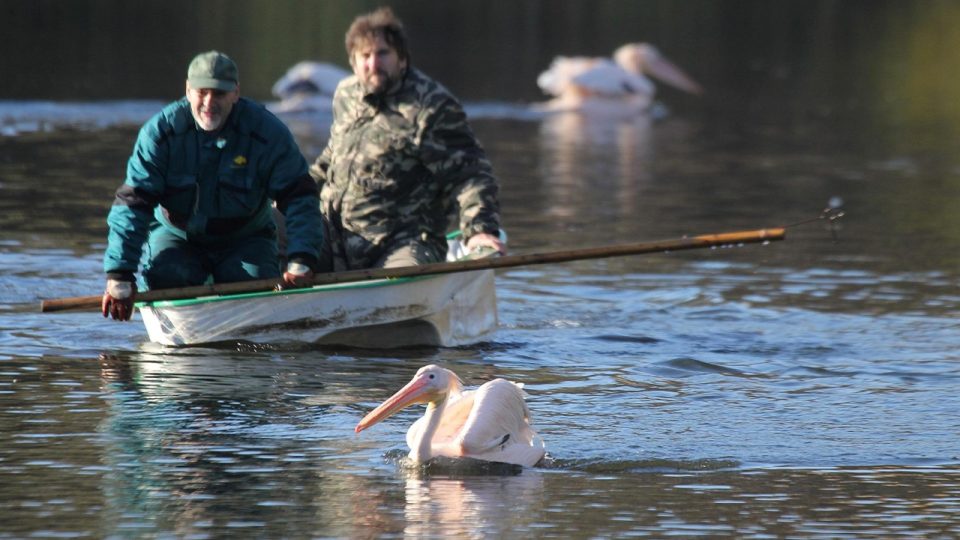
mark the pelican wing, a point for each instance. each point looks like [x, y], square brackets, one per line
[498, 427]
[608, 79]
[558, 78]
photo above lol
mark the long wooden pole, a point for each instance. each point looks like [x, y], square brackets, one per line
[662, 246]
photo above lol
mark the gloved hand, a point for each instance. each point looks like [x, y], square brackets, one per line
[297, 275]
[118, 299]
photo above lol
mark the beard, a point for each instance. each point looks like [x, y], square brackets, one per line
[381, 82]
[209, 118]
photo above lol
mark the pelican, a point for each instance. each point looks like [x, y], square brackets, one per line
[307, 86]
[620, 83]
[491, 423]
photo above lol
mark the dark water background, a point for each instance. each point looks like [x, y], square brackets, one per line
[807, 388]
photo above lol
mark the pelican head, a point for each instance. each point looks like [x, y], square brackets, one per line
[431, 385]
[645, 59]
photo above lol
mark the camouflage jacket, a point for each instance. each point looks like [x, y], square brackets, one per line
[397, 166]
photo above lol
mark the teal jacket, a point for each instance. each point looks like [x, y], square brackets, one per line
[210, 188]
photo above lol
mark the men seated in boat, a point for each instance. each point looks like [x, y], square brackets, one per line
[401, 157]
[200, 183]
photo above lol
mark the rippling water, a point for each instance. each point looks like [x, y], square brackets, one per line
[805, 388]
[802, 388]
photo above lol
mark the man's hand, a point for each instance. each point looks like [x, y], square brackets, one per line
[297, 275]
[118, 299]
[481, 240]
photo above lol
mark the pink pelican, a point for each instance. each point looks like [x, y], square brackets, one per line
[307, 87]
[619, 84]
[491, 423]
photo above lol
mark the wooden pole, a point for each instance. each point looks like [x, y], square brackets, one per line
[506, 261]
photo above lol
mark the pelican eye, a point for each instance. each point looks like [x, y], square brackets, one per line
[432, 376]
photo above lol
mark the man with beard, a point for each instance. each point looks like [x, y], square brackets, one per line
[200, 187]
[400, 160]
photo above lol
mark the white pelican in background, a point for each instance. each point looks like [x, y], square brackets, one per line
[618, 85]
[491, 423]
[307, 87]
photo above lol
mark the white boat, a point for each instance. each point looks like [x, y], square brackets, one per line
[445, 310]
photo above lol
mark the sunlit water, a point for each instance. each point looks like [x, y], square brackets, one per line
[802, 388]
[805, 388]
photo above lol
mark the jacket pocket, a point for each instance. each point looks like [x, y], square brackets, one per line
[238, 194]
[180, 193]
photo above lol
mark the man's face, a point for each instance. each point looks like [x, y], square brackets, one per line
[377, 65]
[211, 107]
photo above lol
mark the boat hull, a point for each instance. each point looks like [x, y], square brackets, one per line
[442, 310]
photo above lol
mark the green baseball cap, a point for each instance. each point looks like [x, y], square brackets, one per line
[213, 69]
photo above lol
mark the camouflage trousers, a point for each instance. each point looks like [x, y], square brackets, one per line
[403, 250]
[335, 256]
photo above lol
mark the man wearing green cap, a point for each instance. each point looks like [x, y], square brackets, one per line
[201, 181]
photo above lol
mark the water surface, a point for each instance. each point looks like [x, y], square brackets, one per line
[805, 388]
